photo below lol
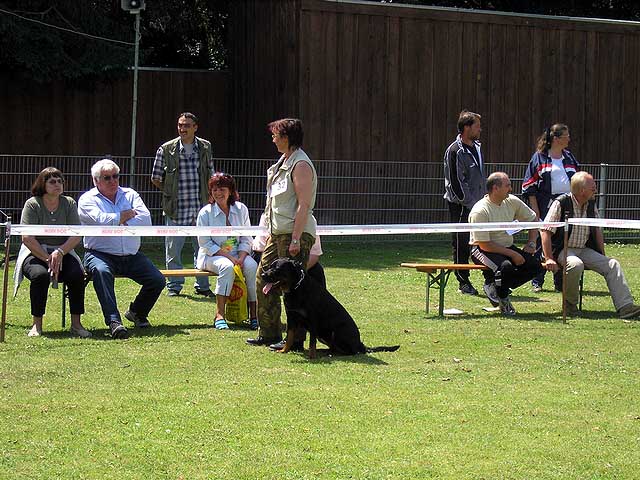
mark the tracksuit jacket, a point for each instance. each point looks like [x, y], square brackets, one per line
[537, 178]
[464, 180]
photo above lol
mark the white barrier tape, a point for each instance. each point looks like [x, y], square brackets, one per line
[430, 228]
[124, 231]
[327, 230]
[606, 222]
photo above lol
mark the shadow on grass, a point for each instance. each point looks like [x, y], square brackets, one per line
[168, 330]
[536, 317]
[324, 357]
[556, 317]
[544, 317]
[527, 316]
[154, 331]
[589, 293]
[587, 314]
[535, 298]
[525, 298]
[183, 329]
[196, 298]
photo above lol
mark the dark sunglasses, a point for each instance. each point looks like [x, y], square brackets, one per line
[107, 178]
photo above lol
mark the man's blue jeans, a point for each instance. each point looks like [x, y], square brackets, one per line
[173, 251]
[103, 267]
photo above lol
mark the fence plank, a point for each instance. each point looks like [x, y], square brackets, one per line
[526, 130]
[377, 88]
[427, 147]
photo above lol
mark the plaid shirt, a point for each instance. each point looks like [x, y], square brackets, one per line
[579, 233]
[188, 182]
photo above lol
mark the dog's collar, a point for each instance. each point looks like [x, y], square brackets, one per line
[302, 275]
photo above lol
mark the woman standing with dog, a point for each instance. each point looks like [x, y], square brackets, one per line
[220, 254]
[291, 197]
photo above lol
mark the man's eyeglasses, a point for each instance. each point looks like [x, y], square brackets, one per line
[53, 181]
[107, 178]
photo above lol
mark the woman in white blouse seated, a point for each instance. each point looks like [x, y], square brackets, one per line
[220, 254]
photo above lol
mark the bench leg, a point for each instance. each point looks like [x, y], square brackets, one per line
[437, 280]
[428, 288]
[444, 278]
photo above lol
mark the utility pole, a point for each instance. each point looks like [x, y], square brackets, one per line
[134, 7]
[134, 107]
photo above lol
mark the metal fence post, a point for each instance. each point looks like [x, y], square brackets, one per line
[602, 189]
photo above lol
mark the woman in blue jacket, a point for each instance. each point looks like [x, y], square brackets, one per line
[548, 175]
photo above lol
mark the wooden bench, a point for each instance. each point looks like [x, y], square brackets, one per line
[186, 272]
[438, 276]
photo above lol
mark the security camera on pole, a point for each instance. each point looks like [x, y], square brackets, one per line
[134, 7]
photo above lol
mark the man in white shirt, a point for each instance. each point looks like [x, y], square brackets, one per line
[110, 204]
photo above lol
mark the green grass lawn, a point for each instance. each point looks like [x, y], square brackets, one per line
[474, 396]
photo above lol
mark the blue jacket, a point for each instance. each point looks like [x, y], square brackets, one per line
[537, 178]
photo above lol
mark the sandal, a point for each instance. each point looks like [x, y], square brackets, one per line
[34, 332]
[221, 324]
[253, 324]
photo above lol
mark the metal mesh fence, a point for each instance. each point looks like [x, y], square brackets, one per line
[349, 192]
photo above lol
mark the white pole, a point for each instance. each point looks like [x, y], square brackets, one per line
[134, 109]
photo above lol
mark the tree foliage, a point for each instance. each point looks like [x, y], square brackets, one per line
[31, 45]
[186, 34]
[52, 39]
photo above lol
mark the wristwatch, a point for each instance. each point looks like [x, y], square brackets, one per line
[295, 241]
[531, 244]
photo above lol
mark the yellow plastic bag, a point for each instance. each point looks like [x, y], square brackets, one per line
[236, 310]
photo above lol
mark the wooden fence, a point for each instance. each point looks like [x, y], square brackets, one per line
[94, 118]
[387, 81]
[371, 81]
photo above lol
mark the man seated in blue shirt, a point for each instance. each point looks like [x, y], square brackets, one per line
[110, 204]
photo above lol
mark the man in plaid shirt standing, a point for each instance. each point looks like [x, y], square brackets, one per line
[181, 171]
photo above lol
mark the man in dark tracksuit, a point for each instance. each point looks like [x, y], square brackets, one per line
[464, 184]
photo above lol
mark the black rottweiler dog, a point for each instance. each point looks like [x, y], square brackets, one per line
[310, 305]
